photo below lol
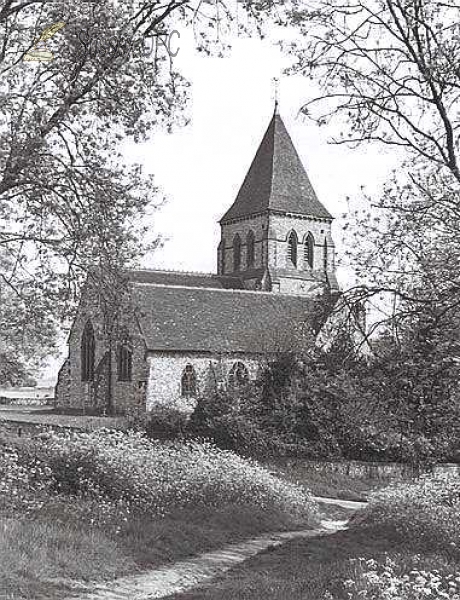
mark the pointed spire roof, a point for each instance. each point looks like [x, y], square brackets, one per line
[276, 179]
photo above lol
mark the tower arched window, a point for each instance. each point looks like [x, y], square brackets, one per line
[292, 249]
[309, 251]
[124, 361]
[325, 256]
[188, 382]
[250, 249]
[88, 346]
[238, 376]
[236, 253]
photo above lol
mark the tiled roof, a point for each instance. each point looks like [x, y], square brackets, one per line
[201, 280]
[210, 320]
[276, 180]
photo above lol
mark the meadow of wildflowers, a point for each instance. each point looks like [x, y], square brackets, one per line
[159, 478]
[23, 487]
[372, 580]
[422, 514]
[92, 505]
[422, 520]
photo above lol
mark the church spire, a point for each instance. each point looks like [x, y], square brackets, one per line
[277, 180]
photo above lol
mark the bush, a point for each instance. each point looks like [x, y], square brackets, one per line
[158, 478]
[166, 423]
[393, 580]
[23, 487]
[230, 421]
[424, 514]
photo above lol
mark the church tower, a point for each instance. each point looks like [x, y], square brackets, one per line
[276, 236]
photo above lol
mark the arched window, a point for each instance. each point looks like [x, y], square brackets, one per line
[188, 382]
[236, 253]
[87, 353]
[124, 361]
[250, 249]
[292, 248]
[220, 258]
[325, 256]
[238, 376]
[309, 251]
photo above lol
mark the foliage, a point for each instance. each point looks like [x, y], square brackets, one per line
[23, 487]
[400, 405]
[424, 514]
[157, 478]
[422, 517]
[164, 422]
[69, 201]
[387, 75]
[389, 67]
[384, 581]
[95, 506]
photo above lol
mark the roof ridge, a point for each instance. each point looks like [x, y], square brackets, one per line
[231, 291]
[173, 271]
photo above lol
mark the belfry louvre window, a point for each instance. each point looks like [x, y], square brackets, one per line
[309, 249]
[124, 362]
[238, 376]
[292, 249]
[236, 253]
[188, 382]
[325, 256]
[87, 353]
[250, 249]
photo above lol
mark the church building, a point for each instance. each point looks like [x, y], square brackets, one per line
[179, 333]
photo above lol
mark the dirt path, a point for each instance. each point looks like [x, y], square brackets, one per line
[187, 574]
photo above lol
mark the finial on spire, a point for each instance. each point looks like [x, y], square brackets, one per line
[276, 83]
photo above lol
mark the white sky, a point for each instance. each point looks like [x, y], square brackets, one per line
[201, 167]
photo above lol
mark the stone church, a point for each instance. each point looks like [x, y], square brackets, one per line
[181, 332]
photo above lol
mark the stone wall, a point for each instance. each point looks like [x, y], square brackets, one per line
[72, 392]
[258, 225]
[379, 471]
[280, 228]
[166, 369]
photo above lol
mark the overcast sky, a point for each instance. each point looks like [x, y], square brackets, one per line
[201, 166]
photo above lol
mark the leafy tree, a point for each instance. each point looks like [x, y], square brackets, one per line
[68, 200]
[388, 72]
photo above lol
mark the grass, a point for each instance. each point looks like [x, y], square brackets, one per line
[37, 556]
[98, 505]
[405, 545]
[312, 569]
[48, 416]
[326, 484]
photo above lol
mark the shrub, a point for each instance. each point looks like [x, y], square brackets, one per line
[423, 514]
[166, 423]
[23, 488]
[230, 421]
[388, 580]
[158, 478]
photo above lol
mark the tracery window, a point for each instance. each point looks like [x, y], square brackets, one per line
[236, 253]
[238, 376]
[309, 251]
[250, 249]
[87, 353]
[188, 382]
[292, 248]
[124, 361]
